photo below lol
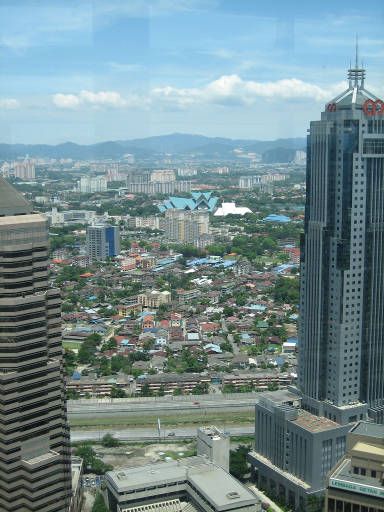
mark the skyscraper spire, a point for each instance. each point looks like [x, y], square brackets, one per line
[356, 74]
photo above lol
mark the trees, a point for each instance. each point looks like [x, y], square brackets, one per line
[88, 348]
[99, 504]
[238, 466]
[109, 441]
[286, 291]
[201, 389]
[117, 392]
[91, 462]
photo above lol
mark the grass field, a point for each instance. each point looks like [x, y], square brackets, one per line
[169, 420]
[72, 345]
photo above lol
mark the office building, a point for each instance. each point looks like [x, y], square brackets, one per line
[342, 259]
[356, 484]
[214, 444]
[186, 227]
[193, 484]
[92, 184]
[103, 241]
[35, 466]
[294, 450]
[341, 350]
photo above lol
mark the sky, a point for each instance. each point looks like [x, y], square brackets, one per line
[95, 70]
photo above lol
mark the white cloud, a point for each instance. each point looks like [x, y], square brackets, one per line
[89, 98]
[232, 89]
[226, 90]
[9, 103]
[66, 100]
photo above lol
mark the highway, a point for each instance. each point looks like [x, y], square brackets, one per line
[84, 409]
[149, 434]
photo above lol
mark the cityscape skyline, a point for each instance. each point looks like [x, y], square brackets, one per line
[94, 71]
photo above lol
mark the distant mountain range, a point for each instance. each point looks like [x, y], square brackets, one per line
[179, 144]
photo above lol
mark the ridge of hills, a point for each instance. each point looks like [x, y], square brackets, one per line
[172, 144]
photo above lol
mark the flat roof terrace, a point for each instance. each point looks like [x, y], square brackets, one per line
[314, 423]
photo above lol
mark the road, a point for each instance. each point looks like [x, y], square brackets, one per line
[77, 409]
[145, 434]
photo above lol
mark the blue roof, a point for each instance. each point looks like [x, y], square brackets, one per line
[276, 218]
[197, 201]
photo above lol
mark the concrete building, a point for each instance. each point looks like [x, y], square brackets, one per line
[356, 484]
[294, 450]
[340, 371]
[77, 492]
[66, 217]
[215, 445]
[163, 176]
[342, 293]
[92, 184]
[171, 381]
[146, 222]
[35, 466]
[143, 184]
[24, 170]
[185, 226]
[191, 485]
[103, 241]
[152, 299]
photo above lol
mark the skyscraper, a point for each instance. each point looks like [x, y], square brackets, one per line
[341, 356]
[34, 435]
[103, 241]
[341, 336]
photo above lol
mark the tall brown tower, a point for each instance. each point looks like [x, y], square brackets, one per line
[34, 434]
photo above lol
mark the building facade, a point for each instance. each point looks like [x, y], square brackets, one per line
[341, 343]
[342, 273]
[192, 484]
[35, 466]
[215, 445]
[103, 241]
[92, 184]
[356, 484]
[185, 226]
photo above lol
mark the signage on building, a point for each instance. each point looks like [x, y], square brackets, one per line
[369, 490]
[373, 107]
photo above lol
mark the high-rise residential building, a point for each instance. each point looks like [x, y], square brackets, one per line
[341, 344]
[163, 176]
[186, 226]
[24, 170]
[91, 184]
[103, 241]
[35, 467]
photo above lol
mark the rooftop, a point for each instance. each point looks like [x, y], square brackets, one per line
[369, 429]
[216, 485]
[344, 479]
[11, 201]
[314, 423]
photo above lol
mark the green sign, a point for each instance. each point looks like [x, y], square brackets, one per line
[362, 489]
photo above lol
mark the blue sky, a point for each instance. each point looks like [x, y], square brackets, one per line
[93, 70]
